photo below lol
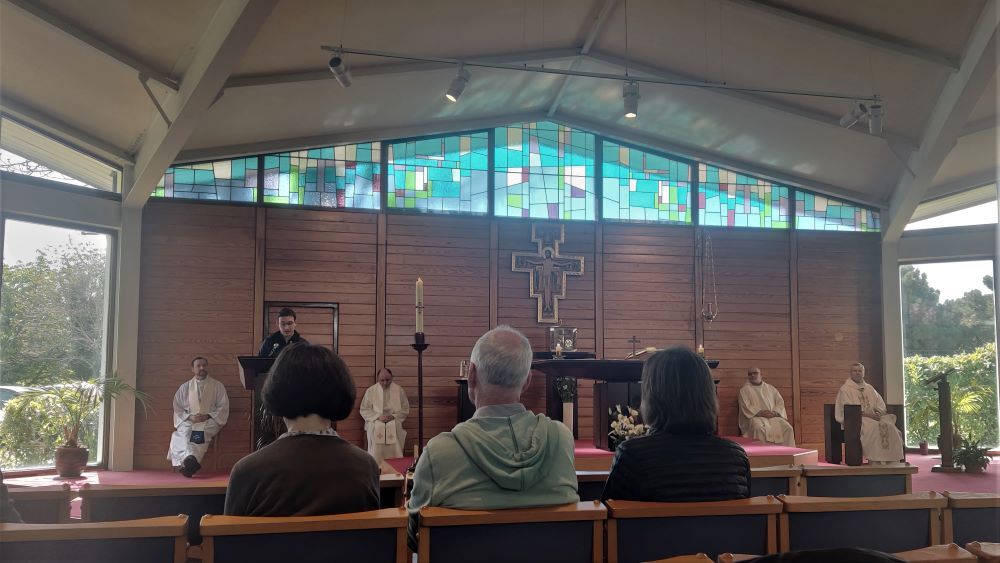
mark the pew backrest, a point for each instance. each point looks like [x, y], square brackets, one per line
[377, 536]
[643, 531]
[890, 524]
[151, 540]
[42, 505]
[776, 480]
[857, 481]
[972, 517]
[569, 533]
[950, 553]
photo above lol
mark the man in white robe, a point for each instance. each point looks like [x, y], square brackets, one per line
[881, 441]
[201, 409]
[762, 412]
[384, 408]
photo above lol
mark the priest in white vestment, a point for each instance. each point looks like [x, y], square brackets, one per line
[881, 441]
[762, 412]
[384, 408]
[201, 409]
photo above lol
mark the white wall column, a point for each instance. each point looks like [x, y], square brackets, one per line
[892, 324]
[126, 354]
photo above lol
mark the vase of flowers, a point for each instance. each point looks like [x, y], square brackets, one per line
[625, 425]
[566, 389]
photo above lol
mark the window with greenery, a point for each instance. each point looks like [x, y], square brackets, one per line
[731, 199]
[818, 213]
[544, 170]
[25, 151]
[222, 180]
[642, 186]
[345, 176]
[949, 322]
[441, 174]
[54, 310]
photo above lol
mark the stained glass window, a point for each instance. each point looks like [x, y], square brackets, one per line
[641, 186]
[544, 170]
[730, 199]
[223, 180]
[342, 176]
[819, 213]
[443, 174]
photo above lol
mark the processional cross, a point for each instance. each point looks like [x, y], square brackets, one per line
[548, 270]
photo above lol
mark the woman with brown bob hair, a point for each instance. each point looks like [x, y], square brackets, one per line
[681, 459]
[309, 470]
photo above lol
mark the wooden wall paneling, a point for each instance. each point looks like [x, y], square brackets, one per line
[839, 318]
[327, 256]
[452, 256]
[380, 295]
[793, 283]
[494, 276]
[698, 251]
[260, 253]
[753, 325]
[197, 299]
[517, 309]
[599, 289]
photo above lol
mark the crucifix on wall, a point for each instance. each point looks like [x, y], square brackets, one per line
[548, 270]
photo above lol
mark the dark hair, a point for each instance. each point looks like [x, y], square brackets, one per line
[286, 312]
[196, 358]
[678, 395]
[309, 379]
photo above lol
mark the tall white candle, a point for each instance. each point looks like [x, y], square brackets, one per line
[420, 305]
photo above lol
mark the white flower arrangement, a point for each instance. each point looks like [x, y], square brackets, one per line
[625, 425]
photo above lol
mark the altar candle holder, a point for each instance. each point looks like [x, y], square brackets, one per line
[419, 344]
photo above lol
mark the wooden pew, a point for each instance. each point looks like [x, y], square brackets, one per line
[375, 536]
[590, 484]
[857, 481]
[152, 540]
[568, 533]
[987, 552]
[776, 480]
[972, 517]
[950, 553]
[890, 524]
[42, 505]
[109, 503]
[641, 531]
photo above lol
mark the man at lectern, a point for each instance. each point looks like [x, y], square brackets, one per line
[285, 335]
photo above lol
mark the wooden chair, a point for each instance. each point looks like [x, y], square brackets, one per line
[375, 536]
[152, 540]
[950, 553]
[848, 438]
[890, 524]
[109, 503]
[971, 517]
[697, 558]
[859, 481]
[641, 531]
[776, 480]
[590, 484]
[569, 533]
[42, 505]
[987, 552]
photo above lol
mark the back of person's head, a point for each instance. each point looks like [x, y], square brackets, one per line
[502, 358]
[309, 379]
[678, 395]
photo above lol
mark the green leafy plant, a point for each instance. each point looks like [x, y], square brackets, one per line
[971, 455]
[566, 389]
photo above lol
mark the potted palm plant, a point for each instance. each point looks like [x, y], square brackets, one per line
[69, 406]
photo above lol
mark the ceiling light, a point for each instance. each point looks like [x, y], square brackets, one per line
[458, 84]
[630, 96]
[340, 71]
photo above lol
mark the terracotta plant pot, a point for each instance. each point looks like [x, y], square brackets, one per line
[71, 461]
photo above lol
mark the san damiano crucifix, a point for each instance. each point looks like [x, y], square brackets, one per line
[548, 270]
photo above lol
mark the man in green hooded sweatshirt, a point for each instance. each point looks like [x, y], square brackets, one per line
[505, 456]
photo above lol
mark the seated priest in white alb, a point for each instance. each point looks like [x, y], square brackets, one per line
[881, 441]
[762, 412]
[384, 408]
[201, 409]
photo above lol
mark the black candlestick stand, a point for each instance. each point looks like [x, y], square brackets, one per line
[419, 344]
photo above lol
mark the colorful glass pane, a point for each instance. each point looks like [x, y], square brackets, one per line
[730, 199]
[818, 213]
[544, 170]
[342, 176]
[222, 180]
[642, 186]
[443, 174]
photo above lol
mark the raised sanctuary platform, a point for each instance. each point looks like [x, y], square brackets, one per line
[589, 458]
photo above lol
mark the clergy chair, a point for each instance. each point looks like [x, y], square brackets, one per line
[375, 536]
[845, 443]
[109, 503]
[972, 517]
[643, 531]
[151, 540]
[568, 533]
[860, 481]
[42, 505]
[890, 524]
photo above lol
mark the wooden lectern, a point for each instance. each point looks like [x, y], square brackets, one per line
[253, 372]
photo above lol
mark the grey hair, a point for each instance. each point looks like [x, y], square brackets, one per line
[502, 357]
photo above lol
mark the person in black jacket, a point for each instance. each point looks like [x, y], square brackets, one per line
[285, 335]
[681, 460]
